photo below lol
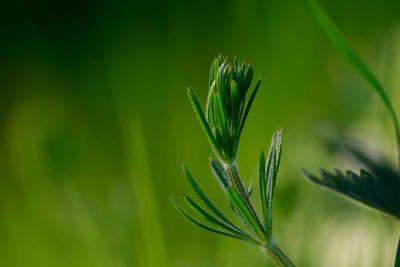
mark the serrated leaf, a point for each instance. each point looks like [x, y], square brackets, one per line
[245, 212]
[236, 231]
[204, 197]
[190, 218]
[379, 192]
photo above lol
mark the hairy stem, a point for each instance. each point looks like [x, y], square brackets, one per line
[277, 255]
[271, 248]
[234, 177]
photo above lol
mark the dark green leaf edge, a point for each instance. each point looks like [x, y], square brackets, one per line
[185, 214]
[192, 181]
[216, 222]
[341, 184]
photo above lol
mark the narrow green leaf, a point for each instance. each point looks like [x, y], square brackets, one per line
[263, 186]
[245, 212]
[222, 122]
[278, 151]
[339, 41]
[273, 162]
[199, 112]
[209, 102]
[211, 219]
[204, 197]
[269, 187]
[185, 214]
[397, 261]
[246, 112]
[220, 173]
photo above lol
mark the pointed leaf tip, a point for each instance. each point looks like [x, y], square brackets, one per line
[190, 218]
[204, 123]
[202, 195]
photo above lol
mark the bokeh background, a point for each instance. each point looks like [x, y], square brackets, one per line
[95, 122]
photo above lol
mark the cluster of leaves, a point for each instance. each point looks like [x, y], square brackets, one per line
[260, 234]
[226, 109]
[226, 112]
[379, 187]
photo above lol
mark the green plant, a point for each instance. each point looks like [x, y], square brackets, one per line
[379, 187]
[225, 115]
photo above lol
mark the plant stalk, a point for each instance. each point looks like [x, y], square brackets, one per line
[277, 255]
[234, 177]
[271, 248]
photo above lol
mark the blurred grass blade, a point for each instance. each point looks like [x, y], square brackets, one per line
[211, 219]
[204, 197]
[220, 173]
[150, 223]
[397, 261]
[185, 214]
[339, 41]
[199, 112]
[244, 211]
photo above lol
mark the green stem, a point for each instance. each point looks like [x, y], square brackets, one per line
[277, 255]
[271, 248]
[234, 177]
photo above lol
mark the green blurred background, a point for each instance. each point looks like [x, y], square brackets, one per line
[95, 122]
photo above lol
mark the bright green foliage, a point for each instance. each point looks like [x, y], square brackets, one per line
[245, 212]
[226, 112]
[268, 180]
[226, 109]
[190, 218]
